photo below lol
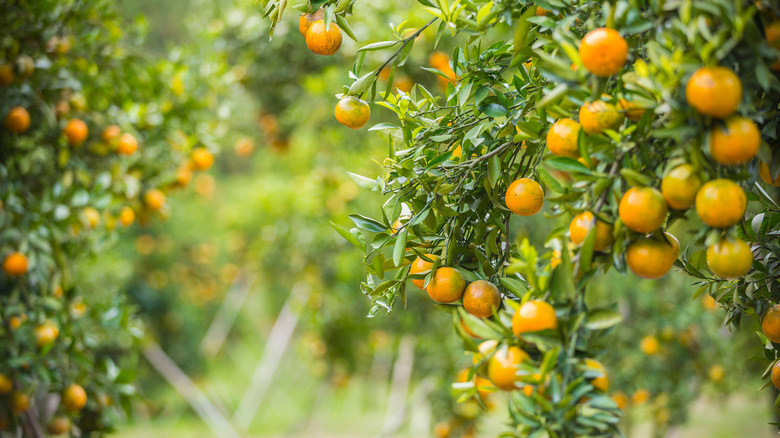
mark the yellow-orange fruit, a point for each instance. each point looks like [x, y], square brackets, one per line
[729, 259]
[352, 112]
[580, 227]
[735, 143]
[763, 172]
[652, 258]
[562, 138]
[601, 382]
[322, 41]
[74, 398]
[481, 298]
[721, 203]
[201, 159]
[714, 91]
[76, 132]
[18, 120]
[770, 325]
[524, 197]
[502, 367]
[598, 116]
[679, 187]
[446, 285]
[127, 144]
[306, 20]
[15, 264]
[533, 316]
[642, 209]
[419, 265]
[603, 52]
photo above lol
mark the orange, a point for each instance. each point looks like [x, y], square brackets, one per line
[20, 402]
[127, 144]
[502, 367]
[562, 138]
[776, 374]
[709, 303]
[729, 259]
[92, 216]
[603, 52]
[600, 382]
[481, 298]
[580, 227]
[307, 19]
[484, 386]
[7, 75]
[721, 203]
[18, 120]
[6, 385]
[446, 285]
[640, 396]
[621, 400]
[419, 265]
[652, 258]
[533, 316]
[642, 209]
[75, 131]
[457, 152]
[323, 41]
[442, 429]
[735, 143]
[352, 112]
[714, 92]
[46, 333]
[154, 199]
[716, 373]
[524, 197]
[62, 109]
[441, 62]
[763, 172]
[74, 398]
[773, 38]
[201, 159]
[649, 345]
[126, 216]
[598, 116]
[183, 175]
[770, 325]
[679, 187]
[15, 264]
[16, 321]
[403, 83]
[110, 134]
[244, 147]
[633, 111]
[59, 425]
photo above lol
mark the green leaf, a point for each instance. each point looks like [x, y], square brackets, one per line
[600, 319]
[363, 182]
[367, 223]
[348, 236]
[567, 164]
[493, 109]
[400, 246]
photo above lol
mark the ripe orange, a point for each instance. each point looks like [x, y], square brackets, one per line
[729, 259]
[773, 38]
[603, 52]
[126, 216]
[524, 197]
[621, 399]
[652, 258]
[183, 175]
[680, 185]
[441, 62]
[6, 385]
[92, 216]
[533, 316]
[18, 120]
[110, 134]
[580, 227]
[763, 172]
[484, 386]
[75, 131]
[7, 75]
[714, 91]
[127, 144]
[352, 112]
[15, 264]
[154, 199]
[562, 138]
[735, 143]
[442, 429]
[640, 396]
[74, 398]
[306, 20]
[201, 158]
[16, 321]
[419, 265]
[598, 116]
[649, 345]
[770, 325]
[46, 333]
[323, 41]
[59, 425]
[776, 374]
[20, 402]
[721, 203]
[481, 298]
[633, 111]
[244, 147]
[601, 382]
[446, 285]
[502, 367]
[642, 209]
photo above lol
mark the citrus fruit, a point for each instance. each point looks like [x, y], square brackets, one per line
[533, 316]
[562, 138]
[352, 112]
[420, 265]
[524, 197]
[306, 20]
[776, 374]
[632, 111]
[721, 203]
[446, 285]
[75, 131]
[735, 143]
[18, 120]
[481, 298]
[126, 216]
[729, 259]
[127, 144]
[716, 373]
[20, 402]
[502, 367]
[74, 398]
[110, 134]
[649, 345]
[603, 52]
[621, 400]
[244, 147]
[154, 199]
[46, 333]
[714, 91]
[763, 172]
[640, 396]
[652, 258]
[15, 264]
[679, 187]
[580, 227]
[92, 216]
[600, 382]
[59, 425]
[201, 159]
[642, 209]
[6, 385]
[598, 116]
[183, 175]
[323, 41]
[770, 325]
[7, 75]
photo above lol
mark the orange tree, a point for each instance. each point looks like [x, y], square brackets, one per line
[94, 134]
[626, 115]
